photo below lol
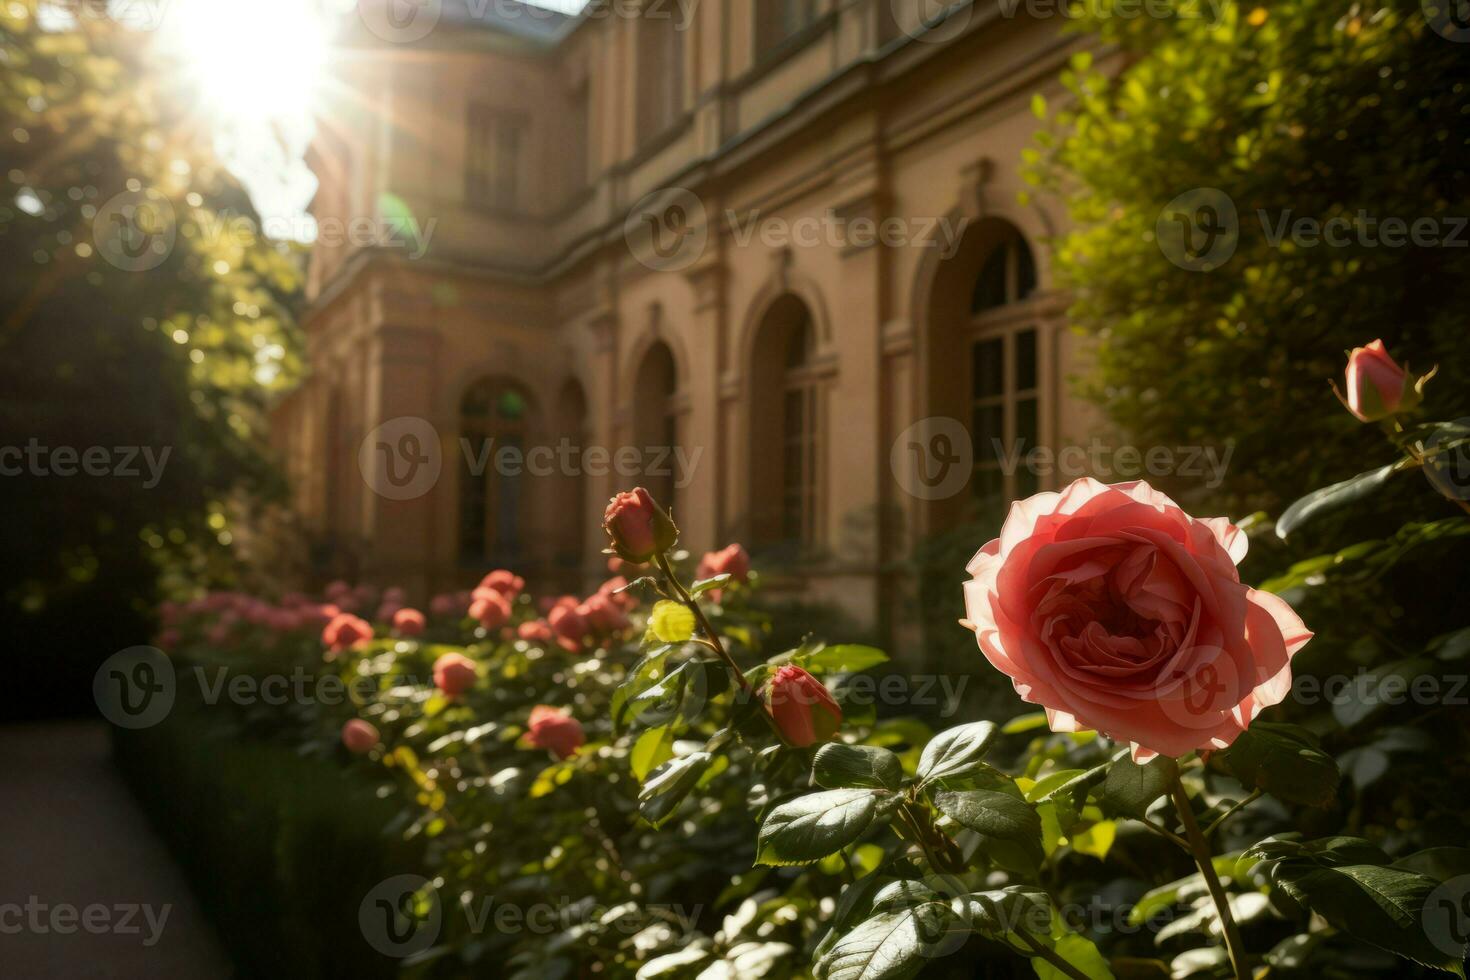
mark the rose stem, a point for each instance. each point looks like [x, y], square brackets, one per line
[1200, 849]
[693, 606]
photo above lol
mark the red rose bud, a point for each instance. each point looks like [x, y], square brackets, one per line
[638, 527]
[345, 632]
[802, 707]
[454, 673]
[732, 561]
[409, 622]
[554, 730]
[359, 736]
[569, 625]
[1377, 387]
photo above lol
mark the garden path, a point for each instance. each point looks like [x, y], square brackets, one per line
[87, 890]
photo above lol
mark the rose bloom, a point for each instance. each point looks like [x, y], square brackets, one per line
[442, 605]
[454, 673]
[569, 625]
[491, 608]
[555, 730]
[344, 632]
[505, 582]
[409, 622]
[1117, 611]
[359, 736]
[604, 615]
[731, 560]
[535, 631]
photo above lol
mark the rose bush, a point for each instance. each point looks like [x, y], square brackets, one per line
[694, 805]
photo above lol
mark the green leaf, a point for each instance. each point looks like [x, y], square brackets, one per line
[1384, 906]
[1129, 787]
[889, 946]
[673, 964]
[1003, 913]
[671, 622]
[1284, 761]
[1319, 502]
[845, 658]
[669, 784]
[653, 748]
[997, 818]
[706, 584]
[955, 751]
[839, 766]
[810, 827]
[1080, 952]
[1024, 723]
[643, 676]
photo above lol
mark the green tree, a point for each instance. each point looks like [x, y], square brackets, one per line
[139, 307]
[1314, 109]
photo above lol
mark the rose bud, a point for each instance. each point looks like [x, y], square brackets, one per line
[569, 625]
[555, 730]
[505, 582]
[616, 589]
[491, 608]
[409, 622]
[802, 707]
[535, 631]
[345, 632]
[605, 615]
[1377, 387]
[359, 736]
[454, 673]
[638, 527]
[732, 561]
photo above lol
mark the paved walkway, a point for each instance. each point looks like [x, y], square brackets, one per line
[86, 888]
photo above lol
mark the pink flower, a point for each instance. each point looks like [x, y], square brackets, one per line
[359, 736]
[345, 632]
[610, 588]
[804, 710]
[604, 615]
[569, 625]
[442, 605]
[732, 561]
[454, 673]
[491, 608]
[638, 527]
[1377, 387]
[555, 730]
[535, 631]
[1117, 611]
[505, 582]
[409, 622]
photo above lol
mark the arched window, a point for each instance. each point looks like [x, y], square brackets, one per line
[656, 421]
[493, 505]
[1004, 374]
[786, 427]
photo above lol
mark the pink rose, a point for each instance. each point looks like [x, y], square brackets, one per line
[1117, 611]
[1377, 387]
[569, 625]
[359, 736]
[555, 730]
[801, 706]
[442, 605]
[505, 582]
[409, 622]
[732, 561]
[638, 527]
[535, 631]
[345, 632]
[603, 614]
[491, 608]
[454, 673]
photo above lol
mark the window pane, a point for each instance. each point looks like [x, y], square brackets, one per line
[1025, 359]
[990, 286]
[988, 370]
[1027, 437]
[988, 431]
[1025, 270]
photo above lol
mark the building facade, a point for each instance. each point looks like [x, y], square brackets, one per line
[737, 251]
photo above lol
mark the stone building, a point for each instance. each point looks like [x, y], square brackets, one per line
[771, 234]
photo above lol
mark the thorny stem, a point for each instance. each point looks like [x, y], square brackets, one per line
[1199, 848]
[1215, 825]
[709, 631]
